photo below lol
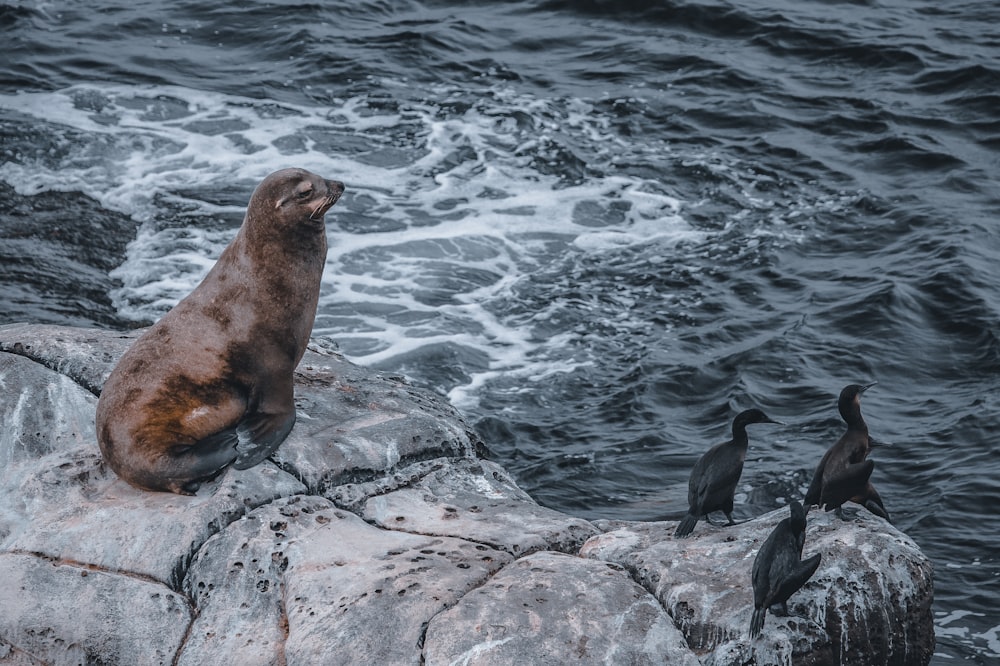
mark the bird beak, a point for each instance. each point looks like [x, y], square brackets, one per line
[865, 388]
[770, 420]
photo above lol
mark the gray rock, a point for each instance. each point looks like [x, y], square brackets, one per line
[550, 608]
[868, 603]
[64, 613]
[41, 412]
[71, 507]
[354, 426]
[277, 564]
[477, 500]
[316, 584]
[87, 356]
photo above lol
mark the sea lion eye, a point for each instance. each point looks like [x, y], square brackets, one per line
[304, 194]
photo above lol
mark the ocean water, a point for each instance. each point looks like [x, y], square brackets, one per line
[599, 228]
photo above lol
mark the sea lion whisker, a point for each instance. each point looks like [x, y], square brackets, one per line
[323, 207]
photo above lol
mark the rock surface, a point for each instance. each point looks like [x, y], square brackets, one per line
[376, 535]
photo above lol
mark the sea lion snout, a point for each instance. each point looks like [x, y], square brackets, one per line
[334, 188]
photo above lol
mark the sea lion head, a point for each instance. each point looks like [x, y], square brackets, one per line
[295, 197]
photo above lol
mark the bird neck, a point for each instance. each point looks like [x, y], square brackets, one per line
[854, 420]
[740, 438]
[850, 411]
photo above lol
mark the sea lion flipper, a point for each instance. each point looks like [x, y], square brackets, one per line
[212, 453]
[259, 436]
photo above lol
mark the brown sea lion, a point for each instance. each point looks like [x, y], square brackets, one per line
[211, 382]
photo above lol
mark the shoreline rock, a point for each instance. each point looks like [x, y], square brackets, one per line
[377, 534]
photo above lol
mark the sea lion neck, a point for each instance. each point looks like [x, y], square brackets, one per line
[304, 237]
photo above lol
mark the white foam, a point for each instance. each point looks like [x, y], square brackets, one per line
[471, 214]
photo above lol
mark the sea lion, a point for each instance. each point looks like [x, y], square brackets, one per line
[211, 382]
[843, 473]
[712, 485]
[778, 570]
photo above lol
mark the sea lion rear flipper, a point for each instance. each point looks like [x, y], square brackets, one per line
[259, 436]
[185, 471]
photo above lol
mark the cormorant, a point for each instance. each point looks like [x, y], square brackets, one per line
[713, 480]
[843, 474]
[778, 570]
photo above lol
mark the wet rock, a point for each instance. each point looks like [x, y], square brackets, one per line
[69, 505]
[477, 500]
[41, 412]
[376, 535]
[64, 613]
[551, 608]
[317, 584]
[86, 356]
[868, 603]
[354, 426]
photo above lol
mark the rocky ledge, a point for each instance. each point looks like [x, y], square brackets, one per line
[376, 534]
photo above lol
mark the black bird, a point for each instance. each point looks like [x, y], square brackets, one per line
[778, 570]
[713, 480]
[843, 474]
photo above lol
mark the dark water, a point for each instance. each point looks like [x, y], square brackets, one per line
[601, 228]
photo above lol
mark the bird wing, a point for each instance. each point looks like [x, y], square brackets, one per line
[816, 487]
[793, 579]
[844, 482]
[716, 479]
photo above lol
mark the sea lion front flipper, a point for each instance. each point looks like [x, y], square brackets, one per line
[259, 435]
[212, 453]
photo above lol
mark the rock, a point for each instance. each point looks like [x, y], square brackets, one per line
[550, 608]
[353, 426]
[868, 603]
[87, 356]
[67, 613]
[316, 584]
[42, 411]
[375, 534]
[75, 509]
[477, 500]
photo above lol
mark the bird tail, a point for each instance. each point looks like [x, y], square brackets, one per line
[686, 526]
[757, 621]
